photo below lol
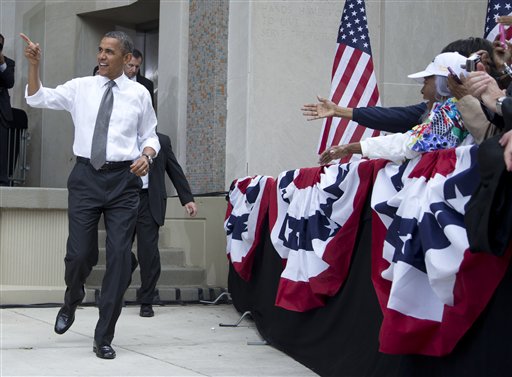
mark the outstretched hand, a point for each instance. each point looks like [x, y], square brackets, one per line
[336, 152]
[325, 108]
[32, 50]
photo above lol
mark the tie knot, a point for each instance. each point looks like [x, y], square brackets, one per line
[111, 83]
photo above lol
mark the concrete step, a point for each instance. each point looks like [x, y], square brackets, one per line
[169, 276]
[171, 256]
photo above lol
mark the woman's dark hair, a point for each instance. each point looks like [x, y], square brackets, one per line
[470, 45]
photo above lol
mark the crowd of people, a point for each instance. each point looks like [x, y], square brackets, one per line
[464, 89]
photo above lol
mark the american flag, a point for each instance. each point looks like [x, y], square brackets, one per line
[497, 8]
[353, 79]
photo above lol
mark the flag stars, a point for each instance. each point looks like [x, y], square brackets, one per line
[507, 6]
[353, 27]
[332, 226]
[497, 7]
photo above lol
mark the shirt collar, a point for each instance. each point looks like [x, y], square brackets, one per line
[120, 81]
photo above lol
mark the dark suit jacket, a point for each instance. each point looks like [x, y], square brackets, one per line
[149, 86]
[6, 82]
[166, 162]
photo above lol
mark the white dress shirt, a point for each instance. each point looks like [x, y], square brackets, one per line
[132, 124]
[145, 178]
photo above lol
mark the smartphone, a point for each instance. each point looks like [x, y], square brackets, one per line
[501, 28]
[454, 75]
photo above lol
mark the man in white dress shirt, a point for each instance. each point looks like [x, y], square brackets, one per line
[111, 189]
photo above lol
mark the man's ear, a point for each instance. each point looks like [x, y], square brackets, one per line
[127, 58]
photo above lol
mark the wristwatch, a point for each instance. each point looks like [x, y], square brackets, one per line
[499, 103]
[150, 159]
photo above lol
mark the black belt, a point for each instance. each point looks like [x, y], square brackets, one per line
[109, 165]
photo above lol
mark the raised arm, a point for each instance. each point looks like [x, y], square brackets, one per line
[33, 55]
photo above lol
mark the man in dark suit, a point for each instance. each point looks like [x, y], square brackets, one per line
[152, 205]
[132, 70]
[6, 116]
[153, 202]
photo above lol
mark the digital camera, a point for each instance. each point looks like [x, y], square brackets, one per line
[471, 62]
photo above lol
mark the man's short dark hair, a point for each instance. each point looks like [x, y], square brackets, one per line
[121, 36]
[137, 54]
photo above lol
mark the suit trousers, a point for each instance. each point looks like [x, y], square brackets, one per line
[91, 193]
[9, 148]
[147, 251]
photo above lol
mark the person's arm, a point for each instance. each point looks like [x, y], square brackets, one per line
[475, 120]
[390, 119]
[33, 55]
[147, 138]
[177, 176]
[390, 147]
[482, 86]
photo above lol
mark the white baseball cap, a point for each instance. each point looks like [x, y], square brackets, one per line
[439, 66]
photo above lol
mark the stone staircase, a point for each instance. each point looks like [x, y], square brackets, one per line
[178, 283]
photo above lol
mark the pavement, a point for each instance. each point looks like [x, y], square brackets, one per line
[180, 340]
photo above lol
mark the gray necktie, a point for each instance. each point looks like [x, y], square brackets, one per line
[99, 138]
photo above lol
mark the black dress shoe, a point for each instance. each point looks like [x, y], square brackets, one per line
[146, 310]
[104, 352]
[64, 320]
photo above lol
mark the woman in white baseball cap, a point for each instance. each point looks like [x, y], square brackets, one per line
[443, 128]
